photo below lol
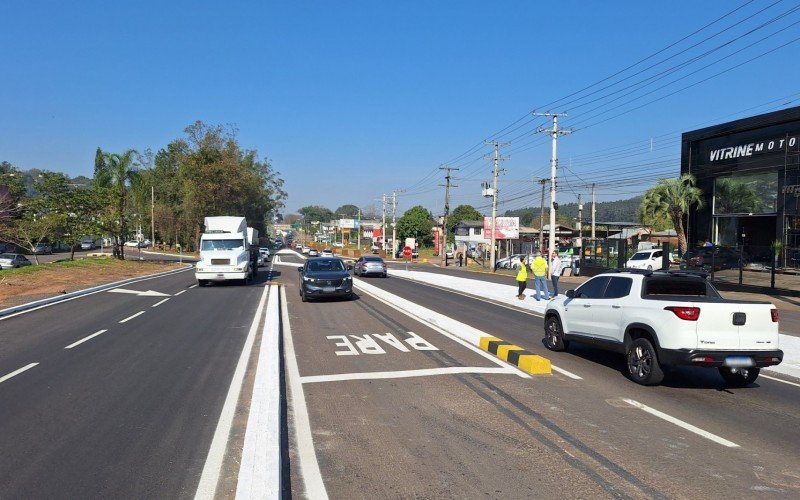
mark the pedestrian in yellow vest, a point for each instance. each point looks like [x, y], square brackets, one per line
[522, 279]
[540, 276]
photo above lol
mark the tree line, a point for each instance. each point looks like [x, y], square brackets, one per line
[204, 173]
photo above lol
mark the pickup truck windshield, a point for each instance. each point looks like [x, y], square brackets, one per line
[207, 245]
[679, 286]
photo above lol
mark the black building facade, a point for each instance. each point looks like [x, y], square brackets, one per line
[749, 173]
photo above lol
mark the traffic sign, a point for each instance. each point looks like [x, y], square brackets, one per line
[407, 252]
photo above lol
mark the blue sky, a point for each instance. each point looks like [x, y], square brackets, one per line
[352, 99]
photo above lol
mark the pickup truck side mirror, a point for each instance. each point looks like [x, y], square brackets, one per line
[570, 294]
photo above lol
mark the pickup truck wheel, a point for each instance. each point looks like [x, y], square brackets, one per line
[202, 282]
[739, 377]
[554, 335]
[643, 365]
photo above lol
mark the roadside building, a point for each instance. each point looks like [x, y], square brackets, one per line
[749, 174]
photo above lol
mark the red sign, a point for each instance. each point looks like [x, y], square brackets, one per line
[407, 252]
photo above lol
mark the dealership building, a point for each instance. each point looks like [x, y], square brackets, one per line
[749, 174]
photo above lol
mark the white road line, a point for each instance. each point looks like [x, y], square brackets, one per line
[168, 273]
[193, 286]
[17, 372]
[681, 423]
[427, 372]
[81, 341]
[184, 291]
[565, 372]
[131, 317]
[530, 313]
[307, 456]
[260, 469]
[432, 320]
[216, 453]
[779, 380]
[160, 302]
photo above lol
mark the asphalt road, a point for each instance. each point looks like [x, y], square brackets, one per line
[436, 433]
[127, 413]
[119, 395]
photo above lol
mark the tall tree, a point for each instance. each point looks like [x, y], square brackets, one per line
[316, 213]
[416, 222]
[347, 211]
[114, 179]
[673, 198]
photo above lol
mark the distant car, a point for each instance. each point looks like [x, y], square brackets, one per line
[43, 249]
[12, 260]
[325, 277]
[370, 264]
[313, 252]
[89, 243]
[264, 254]
[646, 259]
[718, 258]
[449, 254]
[375, 249]
[326, 253]
[305, 249]
[132, 243]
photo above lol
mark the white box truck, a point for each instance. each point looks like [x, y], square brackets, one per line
[225, 251]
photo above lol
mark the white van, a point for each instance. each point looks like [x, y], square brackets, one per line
[646, 259]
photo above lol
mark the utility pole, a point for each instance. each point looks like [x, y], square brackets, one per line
[580, 224]
[554, 133]
[496, 172]
[358, 231]
[394, 223]
[383, 226]
[541, 217]
[446, 212]
[152, 216]
[594, 204]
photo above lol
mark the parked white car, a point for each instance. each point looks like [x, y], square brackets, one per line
[646, 259]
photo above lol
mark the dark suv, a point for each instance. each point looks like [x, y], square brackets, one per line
[718, 258]
[325, 277]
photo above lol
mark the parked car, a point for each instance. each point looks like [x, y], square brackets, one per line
[43, 249]
[89, 243]
[717, 257]
[325, 277]
[646, 259]
[12, 260]
[663, 318]
[326, 253]
[370, 264]
[305, 249]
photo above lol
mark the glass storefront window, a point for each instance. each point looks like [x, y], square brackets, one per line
[746, 194]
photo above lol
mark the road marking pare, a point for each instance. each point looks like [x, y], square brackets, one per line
[368, 343]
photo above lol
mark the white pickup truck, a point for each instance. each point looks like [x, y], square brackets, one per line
[659, 318]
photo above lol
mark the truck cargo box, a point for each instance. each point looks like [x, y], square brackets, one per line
[252, 236]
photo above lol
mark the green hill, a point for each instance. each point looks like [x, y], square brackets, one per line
[567, 214]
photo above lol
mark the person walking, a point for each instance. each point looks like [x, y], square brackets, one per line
[540, 275]
[555, 271]
[522, 279]
[460, 259]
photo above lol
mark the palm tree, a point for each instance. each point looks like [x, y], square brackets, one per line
[673, 198]
[114, 174]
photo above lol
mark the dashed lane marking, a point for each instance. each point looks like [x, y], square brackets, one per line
[427, 372]
[84, 339]
[160, 302]
[184, 291]
[17, 372]
[193, 286]
[131, 317]
[680, 423]
[779, 380]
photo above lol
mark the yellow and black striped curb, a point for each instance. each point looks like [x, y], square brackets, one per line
[517, 356]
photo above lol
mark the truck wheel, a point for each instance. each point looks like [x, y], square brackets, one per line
[554, 335]
[643, 365]
[739, 377]
[202, 282]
